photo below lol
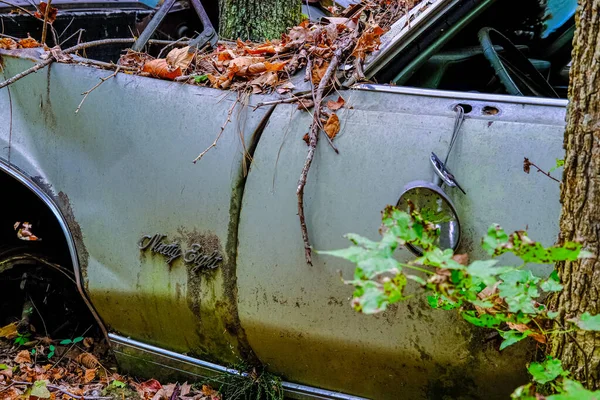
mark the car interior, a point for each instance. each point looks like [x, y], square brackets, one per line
[507, 47]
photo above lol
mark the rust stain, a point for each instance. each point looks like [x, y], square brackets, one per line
[46, 104]
[82, 254]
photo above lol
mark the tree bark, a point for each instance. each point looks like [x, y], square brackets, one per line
[257, 19]
[580, 198]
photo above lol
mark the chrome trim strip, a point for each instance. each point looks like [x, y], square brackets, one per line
[428, 14]
[291, 389]
[447, 94]
[25, 180]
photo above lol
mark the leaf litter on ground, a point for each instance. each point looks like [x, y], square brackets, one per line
[81, 368]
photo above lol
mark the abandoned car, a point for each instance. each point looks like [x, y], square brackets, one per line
[191, 268]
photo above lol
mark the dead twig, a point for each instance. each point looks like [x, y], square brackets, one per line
[181, 39]
[45, 27]
[102, 64]
[102, 80]
[527, 168]
[10, 37]
[74, 49]
[292, 99]
[51, 58]
[214, 144]
[26, 11]
[313, 136]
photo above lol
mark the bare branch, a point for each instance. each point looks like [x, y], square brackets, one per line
[528, 164]
[214, 144]
[45, 27]
[292, 99]
[313, 136]
[102, 80]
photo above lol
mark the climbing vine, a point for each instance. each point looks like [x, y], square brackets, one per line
[485, 293]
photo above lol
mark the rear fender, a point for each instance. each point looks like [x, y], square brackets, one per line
[32, 179]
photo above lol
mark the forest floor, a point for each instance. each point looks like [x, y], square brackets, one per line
[34, 367]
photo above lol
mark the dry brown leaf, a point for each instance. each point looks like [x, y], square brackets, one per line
[266, 80]
[8, 44]
[180, 58]
[23, 357]
[225, 55]
[184, 389]
[212, 393]
[368, 42]
[159, 68]
[305, 104]
[306, 139]
[332, 127]
[8, 372]
[256, 68]
[523, 328]
[285, 88]
[134, 59]
[462, 259]
[59, 55]
[9, 331]
[88, 342]
[87, 360]
[318, 72]
[89, 375]
[336, 105]
[266, 48]
[52, 12]
[245, 61]
[275, 66]
[29, 43]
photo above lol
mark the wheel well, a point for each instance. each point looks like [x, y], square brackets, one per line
[41, 272]
[19, 204]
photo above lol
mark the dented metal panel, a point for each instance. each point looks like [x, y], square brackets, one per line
[293, 311]
[121, 170]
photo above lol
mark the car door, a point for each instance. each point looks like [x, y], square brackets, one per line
[298, 317]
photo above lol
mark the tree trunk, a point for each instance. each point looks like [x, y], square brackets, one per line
[257, 19]
[580, 198]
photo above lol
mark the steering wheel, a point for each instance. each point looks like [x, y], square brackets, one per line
[517, 74]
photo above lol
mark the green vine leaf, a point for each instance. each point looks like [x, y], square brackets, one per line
[546, 371]
[559, 163]
[587, 322]
[550, 285]
[485, 320]
[573, 390]
[519, 290]
[495, 238]
[512, 337]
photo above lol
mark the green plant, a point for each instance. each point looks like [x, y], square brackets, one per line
[118, 384]
[71, 341]
[51, 352]
[21, 339]
[259, 385]
[485, 294]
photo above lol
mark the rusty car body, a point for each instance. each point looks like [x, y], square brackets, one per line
[190, 268]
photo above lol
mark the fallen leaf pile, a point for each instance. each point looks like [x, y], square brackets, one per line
[268, 66]
[45, 369]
